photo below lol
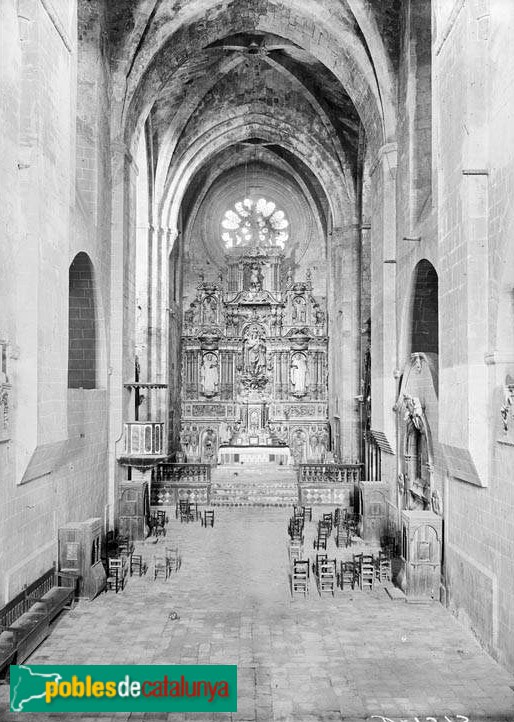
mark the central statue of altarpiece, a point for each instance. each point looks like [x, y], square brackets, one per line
[254, 365]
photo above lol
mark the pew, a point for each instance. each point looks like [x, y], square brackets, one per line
[25, 620]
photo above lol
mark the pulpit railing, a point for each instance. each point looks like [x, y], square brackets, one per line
[329, 473]
[144, 438]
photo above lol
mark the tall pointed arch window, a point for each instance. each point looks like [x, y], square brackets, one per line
[254, 223]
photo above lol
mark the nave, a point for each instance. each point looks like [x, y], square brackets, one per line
[346, 657]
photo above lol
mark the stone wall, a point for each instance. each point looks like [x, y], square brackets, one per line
[53, 465]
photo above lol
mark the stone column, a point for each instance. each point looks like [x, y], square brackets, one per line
[344, 333]
[383, 287]
[122, 308]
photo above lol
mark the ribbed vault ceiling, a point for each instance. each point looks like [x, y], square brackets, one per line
[185, 68]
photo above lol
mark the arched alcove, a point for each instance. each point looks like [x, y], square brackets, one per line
[82, 339]
[425, 308]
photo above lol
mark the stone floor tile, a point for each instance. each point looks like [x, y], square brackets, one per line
[343, 658]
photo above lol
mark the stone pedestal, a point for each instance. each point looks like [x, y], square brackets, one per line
[421, 555]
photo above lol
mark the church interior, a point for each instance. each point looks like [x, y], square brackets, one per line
[256, 316]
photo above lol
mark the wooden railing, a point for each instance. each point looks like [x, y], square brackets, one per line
[329, 473]
[183, 473]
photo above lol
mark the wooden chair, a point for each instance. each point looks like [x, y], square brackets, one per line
[185, 512]
[116, 576]
[195, 512]
[347, 575]
[323, 534]
[125, 546]
[136, 564]
[158, 522]
[160, 566]
[321, 541]
[173, 561]
[295, 550]
[348, 535]
[341, 532]
[300, 577]
[298, 512]
[208, 518]
[383, 567]
[367, 571]
[327, 579]
[307, 513]
[328, 522]
[296, 525]
[319, 559]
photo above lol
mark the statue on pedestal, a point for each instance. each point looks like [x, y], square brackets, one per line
[209, 375]
[298, 374]
[255, 353]
[299, 310]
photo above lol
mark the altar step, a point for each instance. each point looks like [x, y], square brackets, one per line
[253, 485]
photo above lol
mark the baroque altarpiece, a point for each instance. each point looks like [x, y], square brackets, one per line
[254, 361]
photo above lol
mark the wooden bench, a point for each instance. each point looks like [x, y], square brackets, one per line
[25, 620]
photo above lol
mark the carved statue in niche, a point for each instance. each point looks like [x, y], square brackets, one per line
[254, 421]
[189, 442]
[413, 410]
[194, 441]
[185, 441]
[255, 352]
[190, 315]
[209, 374]
[210, 311]
[319, 317]
[313, 441]
[232, 317]
[255, 278]
[401, 484]
[298, 446]
[209, 446]
[437, 503]
[323, 439]
[299, 310]
[298, 374]
[276, 317]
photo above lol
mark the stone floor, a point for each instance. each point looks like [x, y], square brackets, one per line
[357, 656]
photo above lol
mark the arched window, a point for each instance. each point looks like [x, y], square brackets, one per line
[425, 324]
[81, 325]
[254, 223]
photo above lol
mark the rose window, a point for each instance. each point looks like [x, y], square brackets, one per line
[254, 223]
